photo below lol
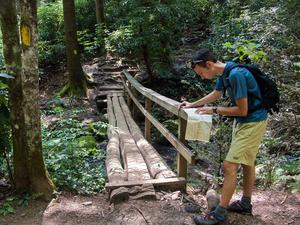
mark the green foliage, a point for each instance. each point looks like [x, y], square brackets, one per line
[282, 171]
[51, 30]
[252, 32]
[99, 129]
[5, 142]
[7, 208]
[90, 35]
[297, 66]
[51, 33]
[73, 158]
[245, 51]
[90, 42]
[1, 53]
[149, 28]
[9, 205]
[85, 15]
[193, 85]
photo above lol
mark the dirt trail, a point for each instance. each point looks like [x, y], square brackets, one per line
[270, 208]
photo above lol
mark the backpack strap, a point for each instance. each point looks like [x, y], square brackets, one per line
[226, 84]
[225, 80]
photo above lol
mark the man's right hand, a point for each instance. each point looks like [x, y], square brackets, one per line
[185, 105]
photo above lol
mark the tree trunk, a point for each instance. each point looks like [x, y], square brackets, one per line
[12, 56]
[77, 81]
[100, 12]
[38, 176]
[29, 170]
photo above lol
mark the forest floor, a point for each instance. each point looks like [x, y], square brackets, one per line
[270, 208]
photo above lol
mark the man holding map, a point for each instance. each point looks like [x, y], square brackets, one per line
[248, 130]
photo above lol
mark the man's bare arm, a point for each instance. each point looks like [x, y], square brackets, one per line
[241, 109]
[211, 97]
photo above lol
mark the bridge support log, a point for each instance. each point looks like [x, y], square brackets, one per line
[136, 166]
[115, 170]
[156, 165]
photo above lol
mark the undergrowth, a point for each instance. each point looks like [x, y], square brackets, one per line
[73, 155]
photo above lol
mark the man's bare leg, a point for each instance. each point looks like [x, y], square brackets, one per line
[229, 185]
[248, 180]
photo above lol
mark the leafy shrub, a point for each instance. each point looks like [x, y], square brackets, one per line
[244, 50]
[8, 206]
[89, 42]
[149, 29]
[72, 159]
[5, 139]
[51, 30]
[85, 15]
[51, 33]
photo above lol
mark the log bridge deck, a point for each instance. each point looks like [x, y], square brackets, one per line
[131, 159]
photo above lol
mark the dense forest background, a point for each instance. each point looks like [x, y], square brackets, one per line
[160, 36]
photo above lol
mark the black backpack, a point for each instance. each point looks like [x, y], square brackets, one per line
[268, 88]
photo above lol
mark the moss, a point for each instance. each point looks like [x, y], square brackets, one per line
[88, 142]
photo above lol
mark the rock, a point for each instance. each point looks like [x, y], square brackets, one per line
[213, 199]
[87, 203]
[175, 195]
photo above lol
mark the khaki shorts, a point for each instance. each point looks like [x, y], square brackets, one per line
[246, 138]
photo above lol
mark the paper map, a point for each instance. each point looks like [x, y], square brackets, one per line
[198, 126]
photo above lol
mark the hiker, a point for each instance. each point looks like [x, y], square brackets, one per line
[248, 128]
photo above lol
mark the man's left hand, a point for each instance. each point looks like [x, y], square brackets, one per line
[205, 110]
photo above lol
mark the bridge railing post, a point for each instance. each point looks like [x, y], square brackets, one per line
[148, 124]
[129, 100]
[181, 161]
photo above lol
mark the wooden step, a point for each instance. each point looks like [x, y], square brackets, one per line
[177, 183]
[107, 68]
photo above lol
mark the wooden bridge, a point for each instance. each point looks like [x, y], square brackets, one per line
[131, 159]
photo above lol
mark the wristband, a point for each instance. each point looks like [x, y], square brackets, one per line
[214, 109]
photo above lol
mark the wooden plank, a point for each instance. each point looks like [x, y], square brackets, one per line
[167, 103]
[181, 161]
[136, 166]
[156, 165]
[148, 125]
[110, 87]
[178, 183]
[111, 116]
[184, 151]
[114, 168]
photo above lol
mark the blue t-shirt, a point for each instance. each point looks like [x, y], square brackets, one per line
[242, 84]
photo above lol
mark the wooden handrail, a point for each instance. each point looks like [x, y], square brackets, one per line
[180, 147]
[165, 102]
[185, 154]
